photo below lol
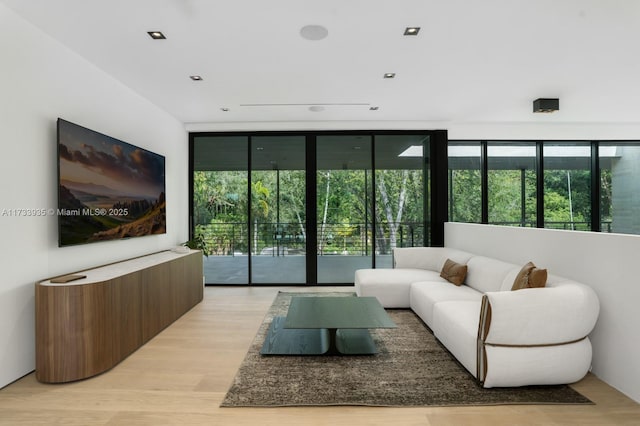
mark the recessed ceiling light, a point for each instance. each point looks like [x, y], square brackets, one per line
[314, 32]
[373, 108]
[156, 35]
[223, 109]
[195, 77]
[390, 75]
[411, 31]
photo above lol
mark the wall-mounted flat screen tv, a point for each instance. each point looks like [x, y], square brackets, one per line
[107, 189]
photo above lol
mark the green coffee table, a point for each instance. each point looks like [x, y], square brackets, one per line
[327, 326]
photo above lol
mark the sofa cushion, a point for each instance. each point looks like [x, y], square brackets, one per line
[424, 296]
[391, 286]
[530, 277]
[538, 365]
[453, 272]
[487, 274]
[431, 258]
[455, 324]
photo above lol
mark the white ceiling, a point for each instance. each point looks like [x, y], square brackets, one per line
[472, 62]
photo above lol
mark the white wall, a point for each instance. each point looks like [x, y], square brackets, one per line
[41, 80]
[606, 262]
[545, 128]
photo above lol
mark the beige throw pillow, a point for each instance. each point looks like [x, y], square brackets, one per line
[453, 272]
[530, 277]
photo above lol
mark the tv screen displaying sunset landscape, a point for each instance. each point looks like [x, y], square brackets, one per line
[107, 189]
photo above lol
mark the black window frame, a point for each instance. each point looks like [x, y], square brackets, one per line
[435, 163]
[594, 145]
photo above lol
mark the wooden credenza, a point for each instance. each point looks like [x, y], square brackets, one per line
[87, 326]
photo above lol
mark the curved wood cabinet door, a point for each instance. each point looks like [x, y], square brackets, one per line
[86, 327]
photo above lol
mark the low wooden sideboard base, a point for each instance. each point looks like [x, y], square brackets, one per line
[87, 326]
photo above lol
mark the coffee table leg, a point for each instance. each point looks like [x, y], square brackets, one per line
[352, 341]
[333, 348]
[289, 341]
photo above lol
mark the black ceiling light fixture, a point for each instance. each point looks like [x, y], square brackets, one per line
[389, 75]
[546, 105]
[156, 35]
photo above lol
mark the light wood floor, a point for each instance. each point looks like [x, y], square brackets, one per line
[181, 376]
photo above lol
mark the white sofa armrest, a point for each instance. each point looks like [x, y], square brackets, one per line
[430, 258]
[539, 316]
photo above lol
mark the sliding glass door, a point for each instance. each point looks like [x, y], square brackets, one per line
[220, 206]
[344, 224]
[286, 208]
[402, 204]
[278, 199]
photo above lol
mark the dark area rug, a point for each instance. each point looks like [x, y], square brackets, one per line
[412, 369]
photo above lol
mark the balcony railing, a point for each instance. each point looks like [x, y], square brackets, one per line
[286, 239]
[282, 239]
[605, 226]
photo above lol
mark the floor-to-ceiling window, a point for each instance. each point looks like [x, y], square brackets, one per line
[220, 206]
[401, 201]
[344, 220]
[287, 208]
[278, 221]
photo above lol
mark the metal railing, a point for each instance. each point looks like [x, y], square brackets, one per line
[282, 239]
[225, 239]
[285, 239]
[605, 226]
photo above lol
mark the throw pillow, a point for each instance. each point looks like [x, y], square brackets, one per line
[537, 278]
[530, 277]
[522, 279]
[453, 272]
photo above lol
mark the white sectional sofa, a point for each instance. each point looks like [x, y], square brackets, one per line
[533, 336]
